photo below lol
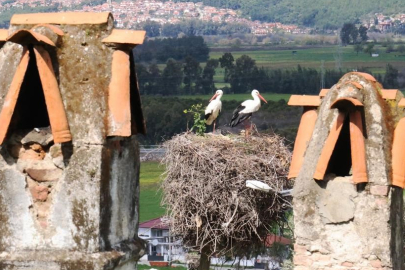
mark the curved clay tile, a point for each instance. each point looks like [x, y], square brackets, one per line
[3, 35]
[128, 37]
[329, 146]
[304, 135]
[12, 95]
[323, 92]
[358, 150]
[53, 99]
[62, 18]
[119, 96]
[54, 28]
[398, 155]
[355, 84]
[401, 103]
[346, 102]
[25, 37]
[303, 100]
[389, 94]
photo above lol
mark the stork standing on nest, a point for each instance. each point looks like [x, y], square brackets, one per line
[245, 110]
[213, 109]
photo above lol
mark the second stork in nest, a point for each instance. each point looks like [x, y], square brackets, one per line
[245, 110]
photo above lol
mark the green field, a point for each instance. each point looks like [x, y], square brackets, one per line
[312, 57]
[242, 97]
[150, 193]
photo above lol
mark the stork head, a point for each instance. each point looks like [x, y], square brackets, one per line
[256, 93]
[219, 93]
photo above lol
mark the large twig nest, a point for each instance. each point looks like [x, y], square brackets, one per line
[205, 190]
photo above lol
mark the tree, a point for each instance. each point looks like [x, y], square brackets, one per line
[192, 71]
[369, 48]
[172, 77]
[241, 78]
[363, 33]
[401, 48]
[391, 77]
[349, 33]
[206, 83]
[152, 28]
[226, 62]
[358, 48]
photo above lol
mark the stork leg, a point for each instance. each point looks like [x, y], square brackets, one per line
[213, 129]
[247, 129]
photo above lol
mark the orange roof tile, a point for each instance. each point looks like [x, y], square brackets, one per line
[358, 149]
[61, 18]
[304, 135]
[27, 36]
[3, 35]
[323, 92]
[389, 93]
[345, 101]
[328, 147]
[125, 37]
[401, 103]
[356, 84]
[298, 100]
[398, 155]
[54, 28]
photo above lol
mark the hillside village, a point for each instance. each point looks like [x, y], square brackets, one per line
[129, 14]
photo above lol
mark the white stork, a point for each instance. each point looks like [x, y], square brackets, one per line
[245, 110]
[213, 109]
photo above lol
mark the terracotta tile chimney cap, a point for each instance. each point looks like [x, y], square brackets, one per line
[54, 28]
[61, 18]
[345, 102]
[122, 36]
[389, 93]
[297, 100]
[323, 92]
[401, 103]
[27, 36]
[3, 35]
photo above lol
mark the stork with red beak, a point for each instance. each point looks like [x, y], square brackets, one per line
[213, 109]
[245, 110]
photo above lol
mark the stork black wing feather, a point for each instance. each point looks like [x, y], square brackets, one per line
[237, 117]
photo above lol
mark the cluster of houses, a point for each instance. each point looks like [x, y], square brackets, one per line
[163, 248]
[129, 14]
[383, 22]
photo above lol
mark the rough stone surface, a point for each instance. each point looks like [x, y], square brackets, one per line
[39, 193]
[43, 171]
[350, 226]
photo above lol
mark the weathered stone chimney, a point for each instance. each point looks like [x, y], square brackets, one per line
[69, 163]
[348, 165]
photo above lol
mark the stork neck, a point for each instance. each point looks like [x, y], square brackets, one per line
[218, 98]
[256, 99]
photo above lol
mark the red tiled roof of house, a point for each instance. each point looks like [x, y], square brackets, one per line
[272, 238]
[156, 223]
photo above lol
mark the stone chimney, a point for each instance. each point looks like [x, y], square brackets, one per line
[348, 165]
[69, 163]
